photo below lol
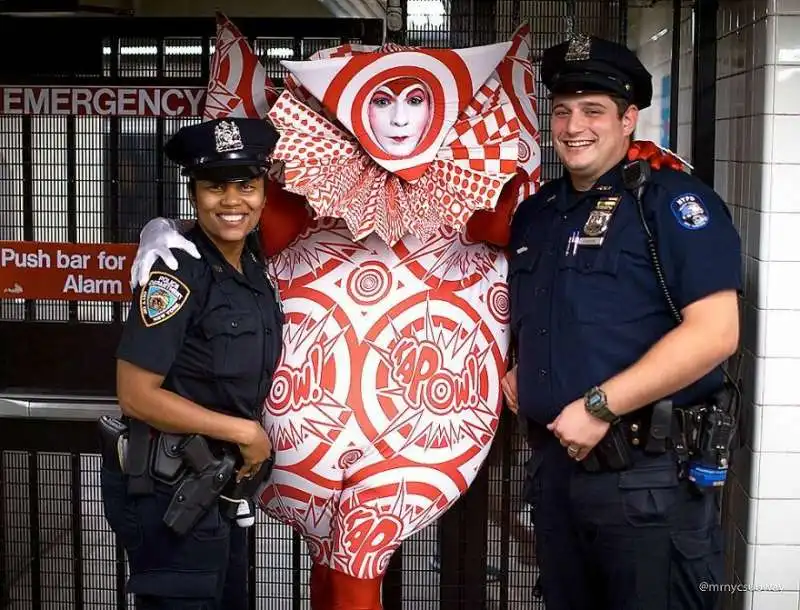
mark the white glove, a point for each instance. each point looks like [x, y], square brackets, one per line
[155, 241]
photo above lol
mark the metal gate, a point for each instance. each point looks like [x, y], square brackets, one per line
[69, 176]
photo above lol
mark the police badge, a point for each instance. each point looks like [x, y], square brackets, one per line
[579, 47]
[597, 223]
[596, 226]
[227, 137]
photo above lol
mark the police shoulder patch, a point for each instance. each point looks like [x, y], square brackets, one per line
[690, 211]
[161, 298]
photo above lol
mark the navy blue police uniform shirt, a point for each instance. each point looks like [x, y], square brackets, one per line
[213, 333]
[581, 314]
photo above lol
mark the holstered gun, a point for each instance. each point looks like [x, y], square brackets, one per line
[201, 487]
[612, 452]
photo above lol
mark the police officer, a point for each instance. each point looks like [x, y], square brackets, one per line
[195, 361]
[607, 369]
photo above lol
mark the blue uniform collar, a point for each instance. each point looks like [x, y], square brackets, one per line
[609, 183]
[221, 269]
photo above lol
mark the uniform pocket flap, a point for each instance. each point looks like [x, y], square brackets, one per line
[595, 260]
[523, 262]
[229, 323]
[696, 544]
[175, 583]
[648, 478]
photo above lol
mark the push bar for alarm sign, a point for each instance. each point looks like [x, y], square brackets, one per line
[65, 271]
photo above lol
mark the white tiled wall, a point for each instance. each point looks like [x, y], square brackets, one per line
[757, 171]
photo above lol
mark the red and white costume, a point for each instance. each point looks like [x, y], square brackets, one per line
[387, 396]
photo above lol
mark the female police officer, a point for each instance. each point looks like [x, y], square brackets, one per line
[601, 343]
[186, 370]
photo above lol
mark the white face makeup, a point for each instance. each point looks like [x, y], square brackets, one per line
[399, 113]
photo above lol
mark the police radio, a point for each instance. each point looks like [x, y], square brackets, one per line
[635, 176]
[706, 432]
[708, 466]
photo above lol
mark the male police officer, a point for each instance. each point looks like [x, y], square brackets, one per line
[195, 365]
[615, 372]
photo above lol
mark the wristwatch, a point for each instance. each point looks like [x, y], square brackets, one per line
[596, 404]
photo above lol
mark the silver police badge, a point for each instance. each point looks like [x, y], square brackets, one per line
[597, 223]
[579, 47]
[227, 137]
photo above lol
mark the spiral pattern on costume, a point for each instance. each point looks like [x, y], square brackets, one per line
[445, 75]
[524, 152]
[281, 390]
[369, 283]
[349, 457]
[316, 549]
[498, 303]
[440, 395]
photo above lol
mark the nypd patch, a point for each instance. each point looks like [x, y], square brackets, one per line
[690, 211]
[162, 297]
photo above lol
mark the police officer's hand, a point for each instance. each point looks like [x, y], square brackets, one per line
[254, 452]
[578, 430]
[509, 385]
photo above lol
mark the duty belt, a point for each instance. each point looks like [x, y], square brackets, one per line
[654, 429]
[185, 462]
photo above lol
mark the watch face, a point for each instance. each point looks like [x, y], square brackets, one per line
[594, 399]
[596, 404]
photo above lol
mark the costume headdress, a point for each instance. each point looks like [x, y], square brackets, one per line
[238, 85]
[444, 149]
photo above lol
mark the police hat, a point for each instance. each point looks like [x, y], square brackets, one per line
[590, 64]
[223, 150]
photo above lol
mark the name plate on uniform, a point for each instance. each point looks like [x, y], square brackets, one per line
[591, 241]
